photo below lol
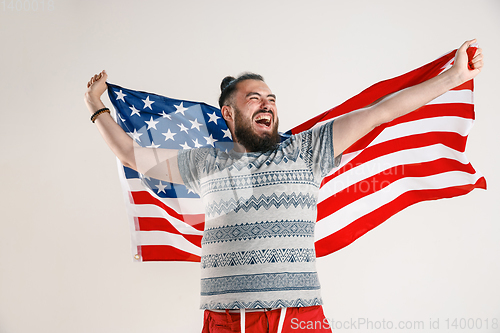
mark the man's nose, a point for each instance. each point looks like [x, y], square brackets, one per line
[265, 105]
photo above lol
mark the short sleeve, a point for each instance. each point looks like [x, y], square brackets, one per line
[191, 164]
[317, 149]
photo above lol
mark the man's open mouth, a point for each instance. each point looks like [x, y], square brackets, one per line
[264, 119]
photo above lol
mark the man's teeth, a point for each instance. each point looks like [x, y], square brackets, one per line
[267, 117]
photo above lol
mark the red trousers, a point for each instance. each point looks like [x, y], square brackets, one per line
[306, 319]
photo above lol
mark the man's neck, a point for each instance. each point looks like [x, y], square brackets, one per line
[239, 148]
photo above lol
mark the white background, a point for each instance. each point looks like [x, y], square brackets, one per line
[65, 259]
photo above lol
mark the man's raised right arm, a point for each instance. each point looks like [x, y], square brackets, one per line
[152, 162]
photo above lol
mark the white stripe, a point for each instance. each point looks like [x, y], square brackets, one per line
[377, 165]
[282, 320]
[454, 96]
[461, 126]
[180, 205]
[242, 320]
[365, 205]
[166, 238]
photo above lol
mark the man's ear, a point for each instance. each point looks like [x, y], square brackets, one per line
[227, 113]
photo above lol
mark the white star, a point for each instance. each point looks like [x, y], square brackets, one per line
[161, 187]
[195, 124]
[183, 128]
[164, 115]
[185, 146]
[190, 191]
[213, 117]
[135, 111]
[151, 123]
[119, 116]
[169, 135]
[136, 135]
[147, 103]
[227, 133]
[197, 144]
[120, 95]
[153, 145]
[180, 108]
[210, 140]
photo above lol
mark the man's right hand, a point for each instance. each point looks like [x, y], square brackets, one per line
[152, 162]
[96, 87]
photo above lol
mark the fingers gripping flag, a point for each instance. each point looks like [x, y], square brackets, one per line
[414, 158]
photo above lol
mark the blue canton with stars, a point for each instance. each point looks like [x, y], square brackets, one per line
[156, 121]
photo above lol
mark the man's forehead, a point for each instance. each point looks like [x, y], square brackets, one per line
[249, 86]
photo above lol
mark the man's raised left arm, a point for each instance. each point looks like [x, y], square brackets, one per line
[351, 127]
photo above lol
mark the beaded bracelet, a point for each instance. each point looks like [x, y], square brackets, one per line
[98, 113]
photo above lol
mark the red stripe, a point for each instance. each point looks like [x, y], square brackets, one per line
[161, 224]
[469, 85]
[359, 227]
[379, 181]
[145, 198]
[166, 253]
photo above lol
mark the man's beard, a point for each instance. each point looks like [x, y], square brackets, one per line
[250, 140]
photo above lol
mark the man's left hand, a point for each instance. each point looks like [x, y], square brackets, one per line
[462, 70]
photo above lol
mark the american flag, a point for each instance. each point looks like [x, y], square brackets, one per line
[414, 158]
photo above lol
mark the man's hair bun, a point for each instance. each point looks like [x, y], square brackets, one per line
[225, 82]
[228, 86]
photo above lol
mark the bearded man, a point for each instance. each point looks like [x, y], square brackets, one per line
[258, 258]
